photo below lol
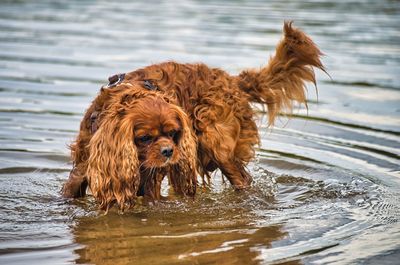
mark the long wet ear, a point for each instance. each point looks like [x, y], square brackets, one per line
[113, 165]
[184, 175]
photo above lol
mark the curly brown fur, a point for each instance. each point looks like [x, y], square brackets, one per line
[210, 118]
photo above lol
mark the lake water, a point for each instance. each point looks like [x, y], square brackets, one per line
[327, 181]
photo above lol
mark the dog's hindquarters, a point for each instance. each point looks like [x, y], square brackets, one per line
[283, 80]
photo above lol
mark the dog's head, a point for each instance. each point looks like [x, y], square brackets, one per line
[157, 132]
[139, 129]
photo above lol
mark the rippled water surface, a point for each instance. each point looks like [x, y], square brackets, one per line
[327, 181]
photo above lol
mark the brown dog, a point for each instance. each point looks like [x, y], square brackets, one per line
[181, 121]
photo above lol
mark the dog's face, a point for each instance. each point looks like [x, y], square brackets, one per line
[157, 133]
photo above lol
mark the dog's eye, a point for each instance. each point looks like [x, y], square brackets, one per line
[146, 139]
[172, 133]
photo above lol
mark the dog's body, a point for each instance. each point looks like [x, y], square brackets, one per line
[182, 120]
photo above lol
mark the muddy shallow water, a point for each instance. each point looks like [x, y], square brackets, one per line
[327, 181]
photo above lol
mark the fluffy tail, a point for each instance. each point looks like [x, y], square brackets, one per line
[283, 80]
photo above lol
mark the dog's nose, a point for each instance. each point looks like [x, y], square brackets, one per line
[167, 151]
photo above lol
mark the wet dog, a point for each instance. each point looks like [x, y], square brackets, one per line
[183, 121]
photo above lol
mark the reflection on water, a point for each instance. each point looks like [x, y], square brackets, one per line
[171, 238]
[326, 184]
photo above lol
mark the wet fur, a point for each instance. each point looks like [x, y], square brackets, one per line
[214, 112]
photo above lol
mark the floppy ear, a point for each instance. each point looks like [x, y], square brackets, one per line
[184, 174]
[113, 165]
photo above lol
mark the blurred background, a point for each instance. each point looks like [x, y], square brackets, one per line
[327, 180]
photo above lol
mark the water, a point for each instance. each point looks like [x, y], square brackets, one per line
[327, 182]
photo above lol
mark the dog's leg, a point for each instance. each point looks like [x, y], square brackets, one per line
[75, 186]
[220, 145]
[183, 178]
[236, 174]
[150, 185]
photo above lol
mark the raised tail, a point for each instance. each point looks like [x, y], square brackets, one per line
[283, 80]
